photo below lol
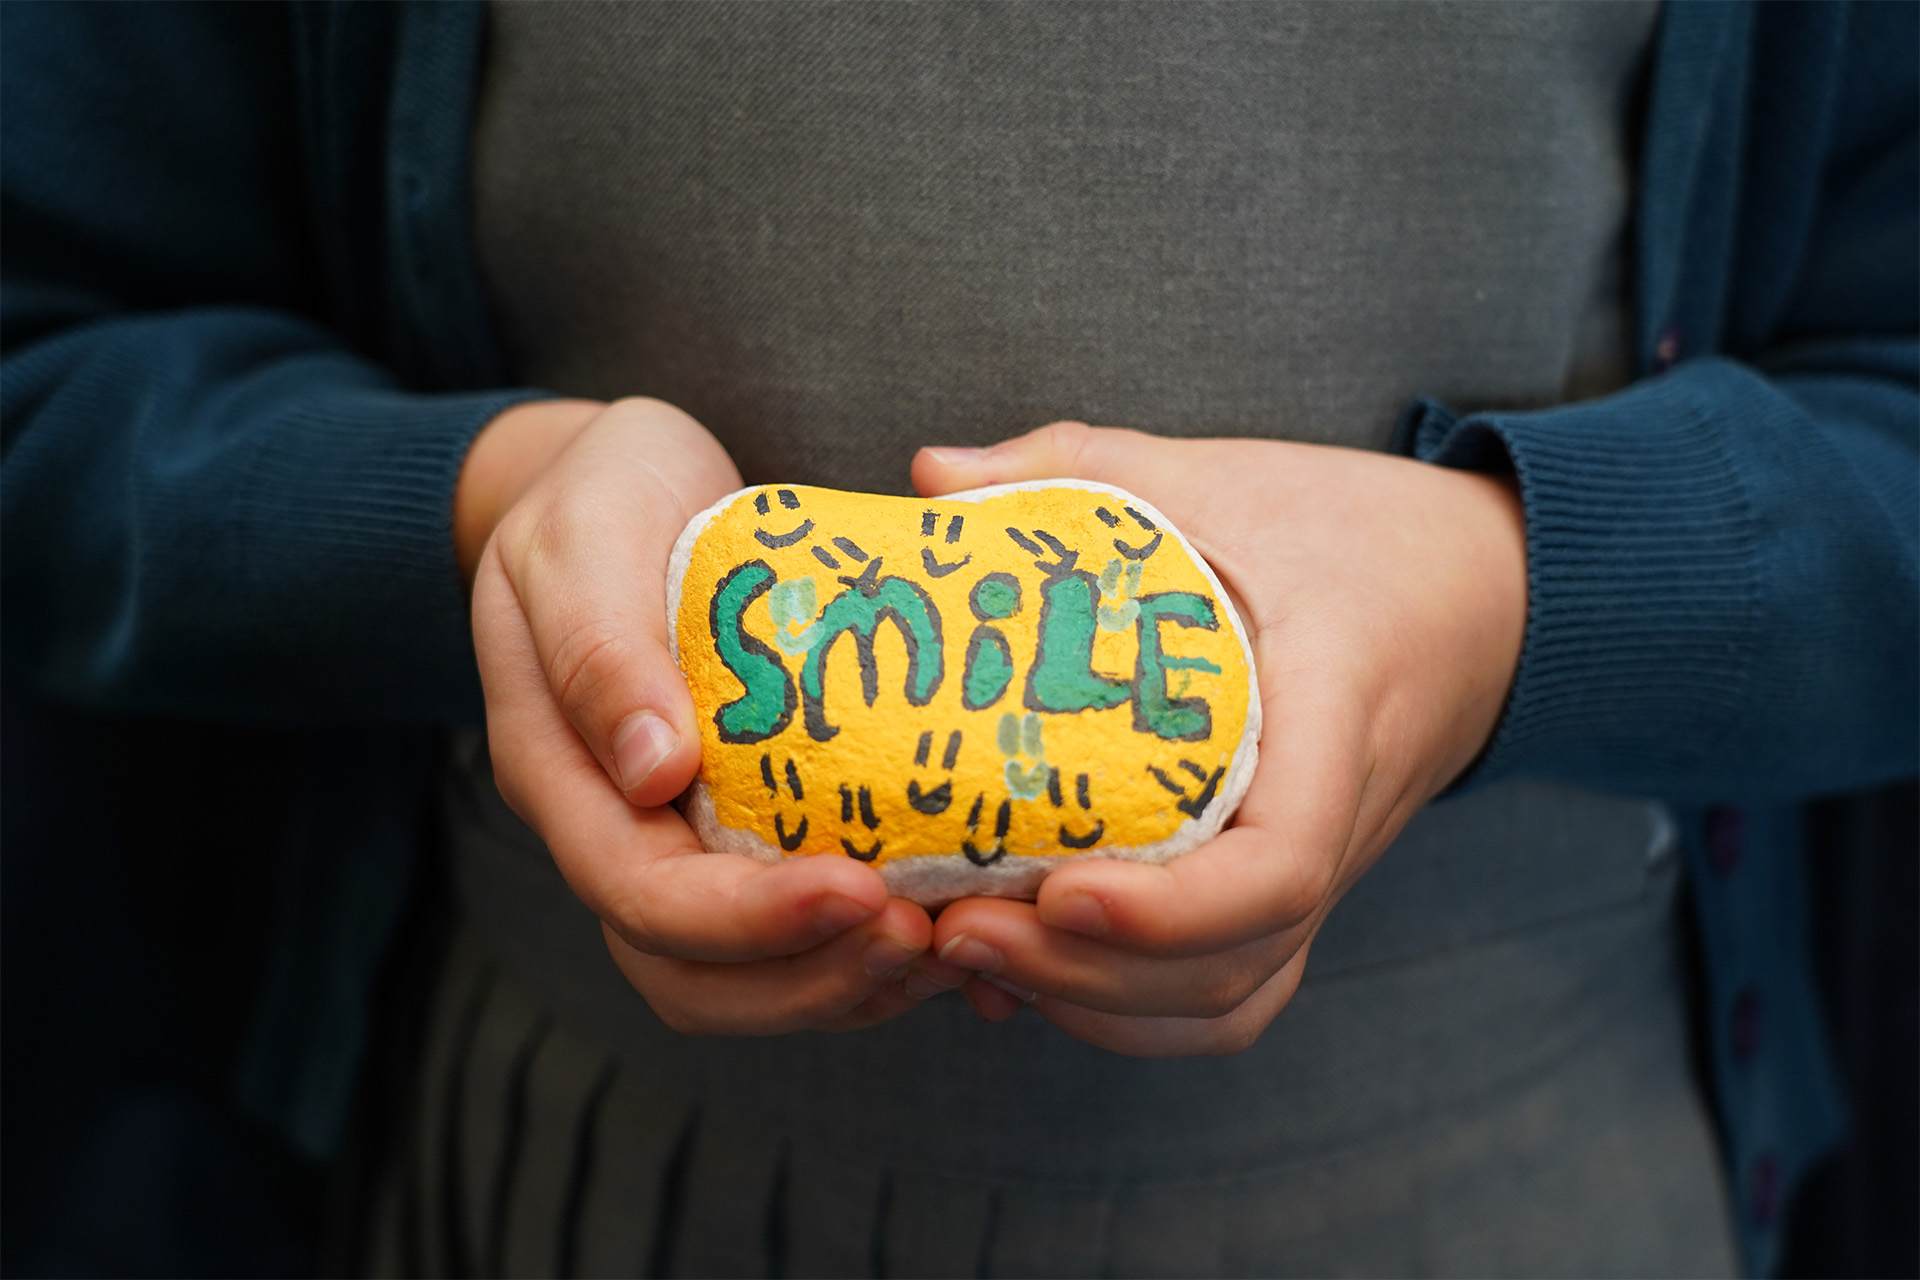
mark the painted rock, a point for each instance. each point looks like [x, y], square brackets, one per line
[963, 691]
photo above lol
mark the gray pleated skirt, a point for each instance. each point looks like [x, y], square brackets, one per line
[1484, 1073]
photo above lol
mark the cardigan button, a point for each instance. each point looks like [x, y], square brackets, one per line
[1666, 349]
[1743, 1031]
[1763, 1189]
[1726, 838]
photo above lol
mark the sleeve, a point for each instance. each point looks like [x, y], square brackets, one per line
[211, 504]
[1722, 558]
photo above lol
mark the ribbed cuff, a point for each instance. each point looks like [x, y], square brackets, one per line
[1642, 582]
[357, 491]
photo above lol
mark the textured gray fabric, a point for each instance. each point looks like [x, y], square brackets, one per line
[835, 232]
[1505, 1099]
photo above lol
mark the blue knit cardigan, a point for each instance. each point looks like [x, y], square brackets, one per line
[246, 348]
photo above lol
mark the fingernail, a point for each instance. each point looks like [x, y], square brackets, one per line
[1077, 913]
[885, 958]
[1018, 993]
[954, 456]
[838, 913]
[922, 986]
[641, 742]
[969, 952]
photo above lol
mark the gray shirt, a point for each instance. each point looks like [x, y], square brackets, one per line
[835, 232]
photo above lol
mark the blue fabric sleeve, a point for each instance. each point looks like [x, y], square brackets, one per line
[216, 501]
[1721, 582]
[1722, 557]
[218, 512]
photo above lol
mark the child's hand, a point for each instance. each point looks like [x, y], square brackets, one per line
[1387, 600]
[592, 730]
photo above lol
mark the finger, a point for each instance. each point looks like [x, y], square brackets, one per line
[643, 870]
[783, 994]
[991, 1003]
[587, 555]
[888, 1002]
[925, 978]
[1275, 869]
[1008, 946]
[1179, 1037]
[930, 977]
[1132, 460]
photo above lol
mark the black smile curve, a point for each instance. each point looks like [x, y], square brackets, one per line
[775, 541]
[1086, 841]
[937, 570]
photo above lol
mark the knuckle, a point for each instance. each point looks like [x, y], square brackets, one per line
[636, 911]
[559, 529]
[587, 663]
[1301, 891]
[1067, 441]
[820, 1001]
[1226, 989]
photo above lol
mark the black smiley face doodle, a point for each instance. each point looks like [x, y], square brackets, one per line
[775, 541]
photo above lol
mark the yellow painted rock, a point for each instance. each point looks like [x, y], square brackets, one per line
[964, 691]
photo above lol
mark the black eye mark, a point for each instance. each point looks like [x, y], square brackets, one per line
[787, 500]
[1131, 552]
[821, 554]
[846, 545]
[1193, 806]
[1065, 559]
[866, 806]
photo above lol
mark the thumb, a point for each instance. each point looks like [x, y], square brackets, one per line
[601, 655]
[585, 562]
[1133, 460]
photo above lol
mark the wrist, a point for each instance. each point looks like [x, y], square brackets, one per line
[506, 457]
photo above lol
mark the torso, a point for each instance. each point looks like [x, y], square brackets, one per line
[836, 232]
